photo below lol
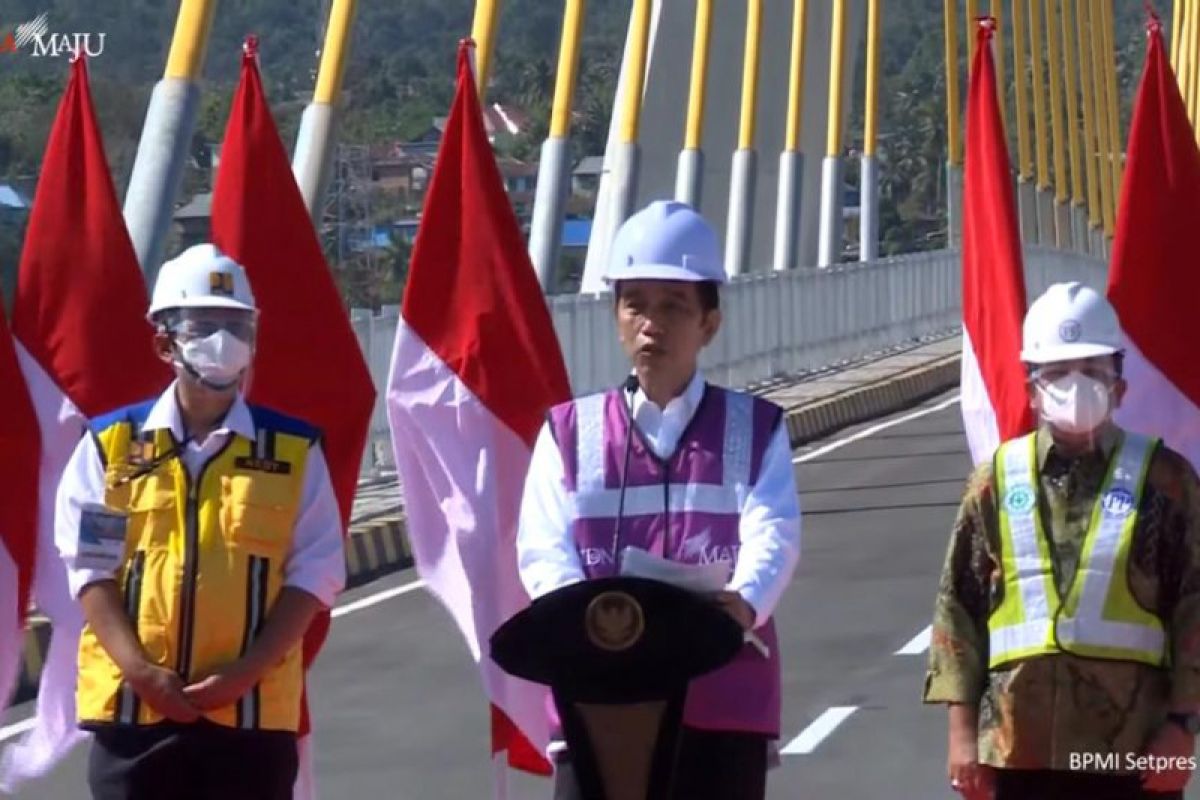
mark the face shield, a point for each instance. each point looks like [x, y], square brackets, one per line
[213, 345]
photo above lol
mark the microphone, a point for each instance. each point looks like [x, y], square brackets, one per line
[628, 387]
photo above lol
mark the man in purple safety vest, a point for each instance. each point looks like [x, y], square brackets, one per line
[685, 470]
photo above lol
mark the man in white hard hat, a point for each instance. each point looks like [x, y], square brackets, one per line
[667, 432]
[201, 536]
[1066, 635]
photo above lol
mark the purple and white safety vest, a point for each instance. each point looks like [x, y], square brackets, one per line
[687, 509]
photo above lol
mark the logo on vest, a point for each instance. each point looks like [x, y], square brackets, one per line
[1117, 503]
[614, 621]
[1020, 500]
[140, 453]
[596, 556]
[700, 549]
[719, 553]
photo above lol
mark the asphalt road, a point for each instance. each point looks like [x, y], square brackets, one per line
[400, 714]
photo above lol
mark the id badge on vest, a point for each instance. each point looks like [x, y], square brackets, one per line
[102, 532]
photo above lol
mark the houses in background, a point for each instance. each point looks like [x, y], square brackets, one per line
[14, 204]
[376, 193]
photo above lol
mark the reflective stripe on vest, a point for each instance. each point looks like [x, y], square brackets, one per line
[594, 500]
[1100, 617]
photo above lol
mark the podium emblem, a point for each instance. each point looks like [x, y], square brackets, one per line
[614, 621]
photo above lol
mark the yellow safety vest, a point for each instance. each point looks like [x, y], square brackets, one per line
[203, 563]
[1100, 617]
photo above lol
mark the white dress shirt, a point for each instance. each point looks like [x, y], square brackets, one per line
[769, 530]
[316, 562]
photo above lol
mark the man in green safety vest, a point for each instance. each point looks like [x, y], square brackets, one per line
[1066, 634]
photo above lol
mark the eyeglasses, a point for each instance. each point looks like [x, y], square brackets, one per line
[203, 328]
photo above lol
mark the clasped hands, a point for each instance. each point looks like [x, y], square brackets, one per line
[167, 694]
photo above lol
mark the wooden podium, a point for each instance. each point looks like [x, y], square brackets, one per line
[618, 654]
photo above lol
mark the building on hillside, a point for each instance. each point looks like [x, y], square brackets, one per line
[585, 178]
[193, 221]
[14, 205]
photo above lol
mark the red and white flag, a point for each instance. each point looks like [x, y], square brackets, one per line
[475, 368]
[308, 362]
[85, 348]
[20, 445]
[995, 405]
[1155, 278]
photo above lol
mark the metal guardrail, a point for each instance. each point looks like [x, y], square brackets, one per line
[775, 324]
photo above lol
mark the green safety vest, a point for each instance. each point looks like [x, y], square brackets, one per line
[1100, 617]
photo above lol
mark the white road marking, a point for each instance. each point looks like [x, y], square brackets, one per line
[815, 733]
[16, 729]
[377, 598]
[917, 644]
[883, 426]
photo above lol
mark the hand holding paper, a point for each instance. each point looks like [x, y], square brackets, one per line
[709, 578]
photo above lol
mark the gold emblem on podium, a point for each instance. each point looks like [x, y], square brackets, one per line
[614, 621]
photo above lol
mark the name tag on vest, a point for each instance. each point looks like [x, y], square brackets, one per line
[268, 465]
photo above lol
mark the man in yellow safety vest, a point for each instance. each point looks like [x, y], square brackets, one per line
[201, 535]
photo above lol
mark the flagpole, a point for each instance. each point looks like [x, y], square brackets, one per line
[554, 168]
[868, 234]
[689, 176]
[997, 12]
[317, 134]
[1026, 191]
[1062, 213]
[791, 160]
[1078, 213]
[167, 136]
[740, 223]
[830, 238]
[953, 127]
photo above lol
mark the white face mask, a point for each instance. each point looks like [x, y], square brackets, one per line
[218, 360]
[1074, 403]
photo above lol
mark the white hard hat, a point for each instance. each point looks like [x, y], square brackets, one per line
[1070, 321]
[201, 277]
[666, 240]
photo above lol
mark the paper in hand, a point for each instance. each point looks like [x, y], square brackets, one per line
[703, 578]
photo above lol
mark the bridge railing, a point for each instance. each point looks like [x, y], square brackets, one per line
[776, 325]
